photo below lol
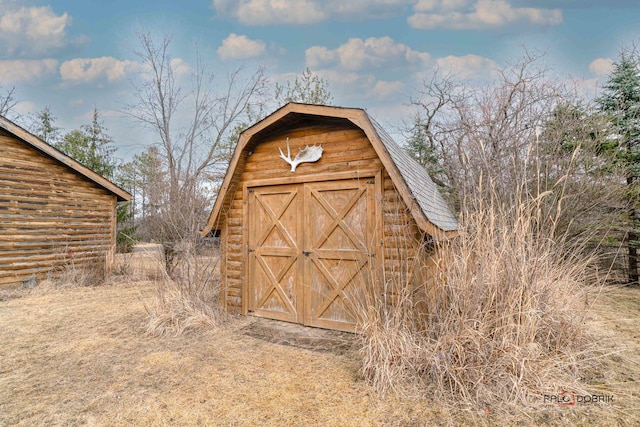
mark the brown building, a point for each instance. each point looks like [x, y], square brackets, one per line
[53, 210]
[296, 244]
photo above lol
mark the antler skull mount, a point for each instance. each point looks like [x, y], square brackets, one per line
[306, 154]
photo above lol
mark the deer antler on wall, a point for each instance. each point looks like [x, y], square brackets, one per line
[306, 154]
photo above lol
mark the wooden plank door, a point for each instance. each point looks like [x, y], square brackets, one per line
[339, 221]
[274, 235]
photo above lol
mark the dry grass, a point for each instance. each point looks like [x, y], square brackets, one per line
[188, 299]
[175, 310]
[81, 356]
[69, 273]
[501, 326]
[614, 322]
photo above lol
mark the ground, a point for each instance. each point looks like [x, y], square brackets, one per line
[80, 356]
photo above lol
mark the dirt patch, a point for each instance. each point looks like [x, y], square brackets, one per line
[315, 339]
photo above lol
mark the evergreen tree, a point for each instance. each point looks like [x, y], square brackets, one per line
[43, 127]
[145, 178]
[424, 150]
[621, 101]
[91, 146]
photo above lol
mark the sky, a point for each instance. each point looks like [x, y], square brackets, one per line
[73, 56]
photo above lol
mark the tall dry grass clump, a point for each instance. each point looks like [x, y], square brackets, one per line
[501, 321]
[189, 298]
[70, 270]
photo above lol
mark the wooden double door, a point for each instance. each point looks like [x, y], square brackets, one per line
[310, 249]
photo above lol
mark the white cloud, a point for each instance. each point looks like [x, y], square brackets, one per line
[12, 71]
[32, 29]
[317, 56]
[468, 66]
[483, 14]
[267, 12]
[240, 47]
[601, 66]
[180, 67]
[84, 70]
[348, 79]
[384, 89]
[363, 9]
[300, 12]
[435, 5]
[376, 67]
[373, 52]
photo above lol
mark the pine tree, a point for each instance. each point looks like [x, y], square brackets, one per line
[621, 101]
[43, 127]
[422, 146]
[91, 146]
[424, 150]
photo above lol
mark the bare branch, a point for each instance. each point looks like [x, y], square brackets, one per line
[7, 101]
[189, 121]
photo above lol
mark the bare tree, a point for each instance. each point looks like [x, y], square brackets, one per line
[7, 101]
[487, 132]
[528, 133]
[432, 131]
[190, 126]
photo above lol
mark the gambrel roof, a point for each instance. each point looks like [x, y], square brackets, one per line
[40, 145]
[413, 183]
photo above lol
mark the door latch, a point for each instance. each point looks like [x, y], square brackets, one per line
[306, 253]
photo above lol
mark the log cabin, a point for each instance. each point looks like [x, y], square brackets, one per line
[54, 212]
[314, 199]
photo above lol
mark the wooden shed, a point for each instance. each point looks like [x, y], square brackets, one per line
[53, 210]
[295, 244]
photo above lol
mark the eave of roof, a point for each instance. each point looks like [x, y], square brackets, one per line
[56, 154]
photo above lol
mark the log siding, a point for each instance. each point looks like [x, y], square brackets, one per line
[50, 215]
[346, 149]
[354, 148]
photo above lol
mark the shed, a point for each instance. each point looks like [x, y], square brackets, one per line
[296, 245]
[53, 210]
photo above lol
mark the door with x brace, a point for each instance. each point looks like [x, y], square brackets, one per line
[338, 240]
[309, 245]
[275, 250]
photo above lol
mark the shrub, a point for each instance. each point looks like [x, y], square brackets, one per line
[500, 322]
[189, 299]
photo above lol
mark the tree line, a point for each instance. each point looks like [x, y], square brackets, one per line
[527, 132]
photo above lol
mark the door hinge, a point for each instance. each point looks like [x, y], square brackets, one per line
[250, 191]
[249, 250]
[371, 181]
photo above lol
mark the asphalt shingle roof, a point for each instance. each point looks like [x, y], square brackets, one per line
[422, 187]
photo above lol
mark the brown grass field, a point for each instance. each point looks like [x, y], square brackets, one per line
[74, 355]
